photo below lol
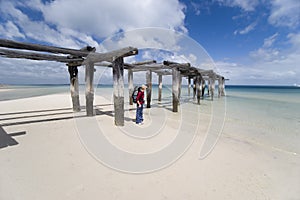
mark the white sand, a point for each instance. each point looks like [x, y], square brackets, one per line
[50, 162]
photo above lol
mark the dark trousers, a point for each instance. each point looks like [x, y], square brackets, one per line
[139, 114]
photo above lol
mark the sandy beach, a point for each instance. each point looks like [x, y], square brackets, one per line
[42, 156]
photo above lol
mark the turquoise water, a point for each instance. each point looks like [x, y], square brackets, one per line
[266, 115]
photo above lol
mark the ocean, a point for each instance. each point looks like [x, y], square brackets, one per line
[265, 115]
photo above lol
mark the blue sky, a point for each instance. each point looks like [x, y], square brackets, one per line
[250, 41]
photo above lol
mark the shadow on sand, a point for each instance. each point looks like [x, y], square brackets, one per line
[6, 139]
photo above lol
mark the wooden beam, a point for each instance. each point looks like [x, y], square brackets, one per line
[189, 85]
[212, 88]
[179, 87]
[222, 86]
[159, 86]
[92, 57]
[194, 87]
[37, 56]
[118, 71]
[219, 86]
[89, 88]
[43, 48]
[74, 87]
[144, 62]
[203, 87]
[149, 87]
[148, 67]
[178, 65]
[198, 88]
[175, 88]
[109, 56]
[130, 86]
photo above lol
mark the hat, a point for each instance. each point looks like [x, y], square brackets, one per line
[144, 87]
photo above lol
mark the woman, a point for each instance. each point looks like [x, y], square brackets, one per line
[140, 104]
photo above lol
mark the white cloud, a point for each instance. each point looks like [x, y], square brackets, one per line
[269, 66]
[268, 42]
[267, 52]
[103, 18]
[18, 71]
[247, 5]
[285, 13]
[10, 30]
[246, 29]
[196, 8]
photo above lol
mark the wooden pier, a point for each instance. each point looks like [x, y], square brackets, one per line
[88, 57]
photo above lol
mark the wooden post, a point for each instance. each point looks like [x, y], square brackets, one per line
[74, 88]
[89, 88]
[149, 87]
[194, 87]
[198, 88]
[175, 88]
[203, 88]
[219, 86]
[208, 86]
[118, 70]
[179, 87]
[130, 85]
[212, 87]
[189, 85]
[159, 86]
[223, 87]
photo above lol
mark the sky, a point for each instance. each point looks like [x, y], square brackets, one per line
[250, 42]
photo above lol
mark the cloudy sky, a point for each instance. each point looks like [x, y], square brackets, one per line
[250, 41]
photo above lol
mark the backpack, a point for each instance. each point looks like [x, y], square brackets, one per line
[135, 93]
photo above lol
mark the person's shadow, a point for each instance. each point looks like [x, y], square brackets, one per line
[7, 139]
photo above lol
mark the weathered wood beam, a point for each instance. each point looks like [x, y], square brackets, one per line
[149, 87]
[144, 62]
[91, 57]
[221, 84]
[203, 87]
[149, 67]
[109, 56]
[175, 64]
[159, 86]
[198, 88]
[175, 88]
[194, 87]
[163, 73]
[118, 72]
[133, 65]
[37, 56]
[179, 87]
[39, 47]
[89, 88]
[212, 87]
[189, 85]
[130, 86]
[74, 87]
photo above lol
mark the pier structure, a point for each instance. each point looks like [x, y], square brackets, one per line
[88, 57]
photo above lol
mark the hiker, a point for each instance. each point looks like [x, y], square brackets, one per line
[139, 103]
